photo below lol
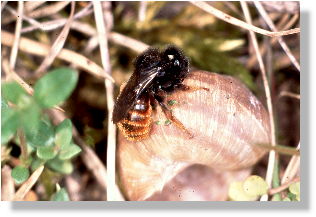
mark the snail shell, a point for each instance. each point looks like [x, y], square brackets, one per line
[226, 121]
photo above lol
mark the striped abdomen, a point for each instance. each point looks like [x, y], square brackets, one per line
[136, 126]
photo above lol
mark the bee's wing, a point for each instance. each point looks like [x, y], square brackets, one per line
[133, 89]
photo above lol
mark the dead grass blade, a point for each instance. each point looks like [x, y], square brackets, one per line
[7, 184]
[232, 20]
[292, 168]
[54, 24]
[28, 184]
[17, 35]
[253, 59]
[280, 39]
[113, 193]
[272, 154]
[41, 12]
[31, 5]
[128, 42]
[58, 43]
[39, 49]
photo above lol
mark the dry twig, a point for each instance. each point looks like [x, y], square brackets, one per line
[58, 43]
[232, 20]
[41, 12]
[54, 24]
[253, 59]
[289, 94]
[280, 39]
[272, 154]
[17, 35]
[283, 186]
[40, 49]
[113, 193]
[7, 184]
[292, 168]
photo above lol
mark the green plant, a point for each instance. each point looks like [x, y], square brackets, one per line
[24, 122]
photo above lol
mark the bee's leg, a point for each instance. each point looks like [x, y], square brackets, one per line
[170, 116]
[187, 88]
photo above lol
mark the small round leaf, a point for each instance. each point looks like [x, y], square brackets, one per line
[295, 188]
[69, 152]
[61, 195]
[42, 136]
[55, 87]
[12, 92]
[237, 193]
[46, 153]
[20, 174]
[255, 186]
[63, 134]
[64, 167]
[9, 124]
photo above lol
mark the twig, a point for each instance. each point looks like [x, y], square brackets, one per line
[40, 49]
[128, 42]
[142, 11]
[3, 4]
[58, 43]
[289, 94]
[54, 24]
[7, 184]
[113, 193]
[280, 39]
[283, 186]
[292, 168]
[272, 154]
[232, 20]
[23, 145]
[31, 5]
[17, 35]
[263, 49]
[41, 12]
[28, 184]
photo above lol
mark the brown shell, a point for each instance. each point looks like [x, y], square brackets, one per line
[226, 121]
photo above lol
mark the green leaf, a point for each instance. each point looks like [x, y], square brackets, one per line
[255, 186]
[42, 136]
[64, 167]
[9, 124]
[20, 174]
[295, 188]
[69, 152]
[55, 87]
[236, 192]
[36, 163]
[63, 134]
[12, 92]
[46, 153]
[29, 117]
[61, 195]
[286, 199]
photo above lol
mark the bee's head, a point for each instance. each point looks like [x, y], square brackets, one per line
[147, 60]
[174, 63]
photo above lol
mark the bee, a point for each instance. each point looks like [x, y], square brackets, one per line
[156, 74]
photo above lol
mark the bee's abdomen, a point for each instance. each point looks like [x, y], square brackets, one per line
[136, 126]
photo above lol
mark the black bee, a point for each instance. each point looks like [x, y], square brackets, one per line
[156, 73]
